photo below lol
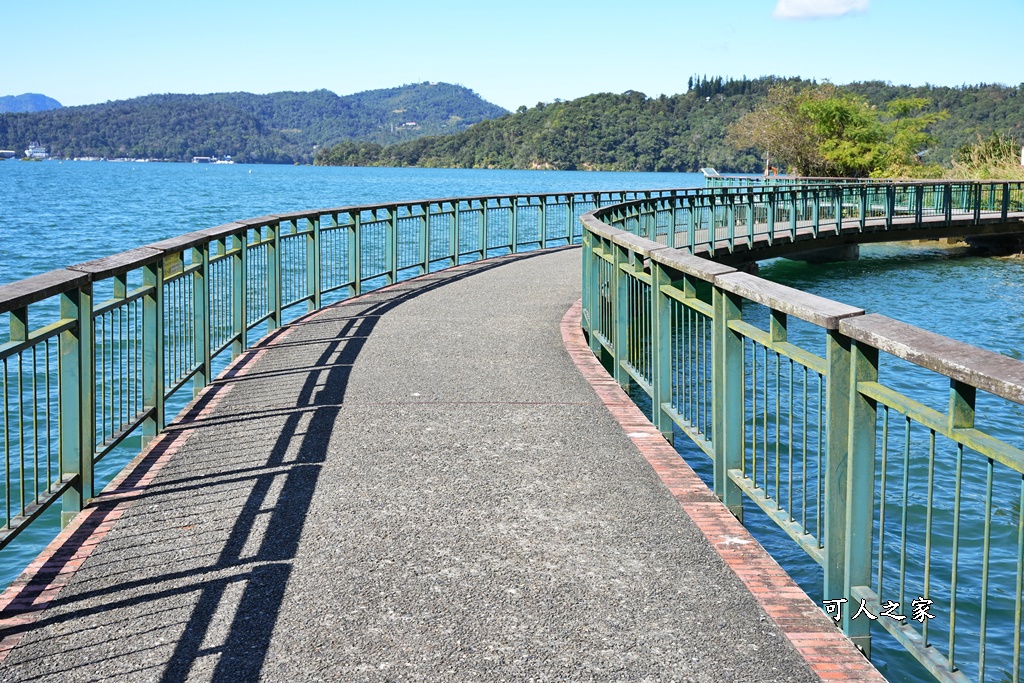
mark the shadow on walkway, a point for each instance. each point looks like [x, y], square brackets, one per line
[242, 583]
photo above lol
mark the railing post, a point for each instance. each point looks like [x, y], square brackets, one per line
[274, 279]
[860, 490]
[455, 235]
[890, 205]
[515, 225]
[240, 293]
[947, 201]
[751, 215]
[1004, 208]
[815, 211]
[587, 285]
[570, 218]
[730, 210]
[691, 226]
[918, 203]
[76, 363]
[153, 350]
[673, 217]
[727, 398]
[661, 350]
[595, 295]
[483, 229]
[838, 195]
[976, 197]
[201, 312]
[313, 264]
[543, 222]
[792, 215]
[391, 246]
[425, 240]
[863, 208]
[837, 416]
[620, 329]
[771, 217]
[355, 254]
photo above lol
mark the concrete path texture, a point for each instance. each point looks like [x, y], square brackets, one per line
[417, 485]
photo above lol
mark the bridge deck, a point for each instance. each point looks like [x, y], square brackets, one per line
[416, 485]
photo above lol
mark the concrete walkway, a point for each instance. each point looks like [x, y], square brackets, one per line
[417, 485]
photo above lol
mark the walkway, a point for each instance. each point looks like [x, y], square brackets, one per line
[416, 485]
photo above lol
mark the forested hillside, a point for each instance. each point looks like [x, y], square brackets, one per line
[280, 127]
[679, 133]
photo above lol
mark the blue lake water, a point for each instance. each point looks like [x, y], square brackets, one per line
[54, 214]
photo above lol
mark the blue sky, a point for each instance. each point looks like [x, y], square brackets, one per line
[511, 53]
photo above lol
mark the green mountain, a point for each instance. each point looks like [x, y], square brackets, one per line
[633, 132]
[28, 102]
[282, 127]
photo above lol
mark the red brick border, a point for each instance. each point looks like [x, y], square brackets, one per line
[829, 653]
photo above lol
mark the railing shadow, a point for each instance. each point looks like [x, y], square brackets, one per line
[272, 517]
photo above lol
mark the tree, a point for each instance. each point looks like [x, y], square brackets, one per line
[824, 131]
[780, 131]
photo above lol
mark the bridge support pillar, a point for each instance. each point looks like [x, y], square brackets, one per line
[996, 245]
[847, 252]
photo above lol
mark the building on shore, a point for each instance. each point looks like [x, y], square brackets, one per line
[36, 151]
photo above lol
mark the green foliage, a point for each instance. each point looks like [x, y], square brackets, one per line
[627, 132]
[997, 157]
[826, 131]
[855, 129]
[281, 127]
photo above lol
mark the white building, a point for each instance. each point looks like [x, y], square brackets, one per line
[36, 151]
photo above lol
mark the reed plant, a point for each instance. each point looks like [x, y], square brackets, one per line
[997, 157]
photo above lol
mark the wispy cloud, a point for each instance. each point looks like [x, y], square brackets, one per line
[812, 9]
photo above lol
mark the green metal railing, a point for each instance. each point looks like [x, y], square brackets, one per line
[787, 393]
[95, 351]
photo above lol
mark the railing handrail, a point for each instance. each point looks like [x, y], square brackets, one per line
[21, 292]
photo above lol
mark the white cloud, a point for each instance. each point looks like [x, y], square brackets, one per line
[811, 9]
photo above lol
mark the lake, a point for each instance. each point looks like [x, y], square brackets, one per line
[54, 214]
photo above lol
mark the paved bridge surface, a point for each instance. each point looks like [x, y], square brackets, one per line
[419, 484]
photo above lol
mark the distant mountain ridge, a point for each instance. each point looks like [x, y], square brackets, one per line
[684, 132]
[283, 127]
[28, 102]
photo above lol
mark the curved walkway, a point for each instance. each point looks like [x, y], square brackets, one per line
[416, 485]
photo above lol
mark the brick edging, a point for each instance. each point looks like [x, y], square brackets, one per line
[829, 654]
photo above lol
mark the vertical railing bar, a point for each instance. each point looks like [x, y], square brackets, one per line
[1019, 589]
[789, 439]
[905, 513]
[928, 529]
[954, 573]
[882, 498]
[7, 448]
[985, 566]
[803, 453]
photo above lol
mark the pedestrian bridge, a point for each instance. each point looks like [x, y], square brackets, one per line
[402, 459]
